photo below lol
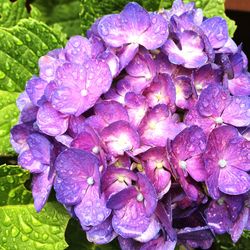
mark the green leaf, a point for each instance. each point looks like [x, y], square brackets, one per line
[12, 189]
[92, 9]
[22, 227]
[12, 12]
[61, 12]
[210, 8]
[20, 48]
[76, 239]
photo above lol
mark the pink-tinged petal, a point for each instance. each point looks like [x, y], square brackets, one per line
[142, 65]
[73, 168]
[27, 161]
[149, 194]
[189, 142]
[40, 148]
[35, 88]
[80, 86]
[191, 54]
[237, 229]
[130, 221]
[161, 91]
[112, 60]
[208, 74]
[229, 47]
[196, 168]
[184, 91]
[50, 121]
[157, 33]
[213, 100]
[92, 210]
[49, 63]
[126, 54]
[41, 187]
[111, 111]
[126, 27]
[120, 137]
[240, 86]
[193, 117]
[216, 30]
[96, 122]
[78, 49]
[151, 232]
[233, 181]
[137, 84]
[237, 113]
[163, 66]
[157, 126]
[116, 179]
[136, 106]
[65, 140]
[102, 233]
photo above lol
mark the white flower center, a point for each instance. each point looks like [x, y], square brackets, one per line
[96, 150]
[218, 120]
[139, 197]
[183, 164]
[159, 164]
[90, 181]
[222, 163]
[198, 86]
[120, 178]
[84, 92]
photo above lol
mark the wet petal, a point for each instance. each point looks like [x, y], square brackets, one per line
[196, 168]
[241, 85]
[50, 121]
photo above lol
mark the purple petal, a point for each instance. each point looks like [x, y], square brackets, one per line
[35, 88]
[196, 168]
[51, 121]
[157, 33]
[92, 211]
[102, 233]
[237, 113]
[159, 244]
[241, 85]
[120, 137]
[126, 54]
[233, 181]
[40, 148]
[158, 125]
[78, 49]
[216, 30]
[163, 65]
[41, 187]
[191, 54]
[29, 113]
[112, 60]
[27, 161]
[126, 27]
[76, 170]
[213, 100]
[161, 91]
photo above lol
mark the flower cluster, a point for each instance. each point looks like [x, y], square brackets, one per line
[141, 129]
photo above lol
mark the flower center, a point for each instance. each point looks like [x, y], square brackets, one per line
[120, 178]
[159, 164]
[198, 86]
[218, 120]
[96, 150]
[84, 92]
[222, 163]
[183, 164]
[139, 197]
[90, 181]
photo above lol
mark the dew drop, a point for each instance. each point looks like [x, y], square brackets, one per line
[2, 75]
[28, 38]
[14, 232]
[24, 238]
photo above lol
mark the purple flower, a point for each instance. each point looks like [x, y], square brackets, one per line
[226, 161]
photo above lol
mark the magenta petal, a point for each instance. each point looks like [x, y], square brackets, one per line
[41, 187]
[213, 100]
[216, 30]
[233, 181]
[92, 210]
[102, 233]
[78, 49]
[196, 168]
[35, 88]
[157, 33]
[130, 221]
[50, 121]
[120, 137]
[126, 27]
[237, 112]
[73, 168]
